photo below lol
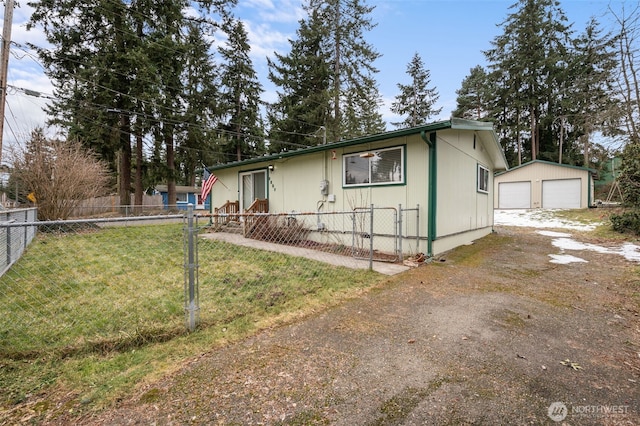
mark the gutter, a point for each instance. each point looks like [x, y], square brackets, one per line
[432, 190]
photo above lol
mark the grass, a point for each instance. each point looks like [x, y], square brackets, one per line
[92, 314]
[599, 216]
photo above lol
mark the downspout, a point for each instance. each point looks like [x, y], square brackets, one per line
[589, 183]
[432, 190]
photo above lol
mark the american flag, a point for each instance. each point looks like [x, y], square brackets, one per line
[209, 179]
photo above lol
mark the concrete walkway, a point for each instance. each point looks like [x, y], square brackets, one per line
[385, 268]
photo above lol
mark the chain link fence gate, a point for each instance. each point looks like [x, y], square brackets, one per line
[91, 285]
[112, 283]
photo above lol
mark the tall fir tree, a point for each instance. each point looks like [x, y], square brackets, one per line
[592, 104]
[416, 100]
[240, 97]
[341, 77]
[525, 63]
[352, 59]
[474, 96]
[303, 79]
[202, 111]
[120, 73]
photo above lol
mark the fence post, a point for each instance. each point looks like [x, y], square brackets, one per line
[26, 230]
[400, 236]
[418, 228]
[371, 241]
[192, 299]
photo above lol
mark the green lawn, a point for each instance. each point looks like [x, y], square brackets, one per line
[97, 311]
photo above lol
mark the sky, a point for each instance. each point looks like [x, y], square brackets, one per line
[449, 35]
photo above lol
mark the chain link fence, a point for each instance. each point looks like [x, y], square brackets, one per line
[15, 239]
[99, 285]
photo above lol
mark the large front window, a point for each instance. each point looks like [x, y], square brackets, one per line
[376, 167]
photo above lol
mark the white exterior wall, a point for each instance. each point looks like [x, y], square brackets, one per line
[463, 213]
[460, 207]
[536, 173]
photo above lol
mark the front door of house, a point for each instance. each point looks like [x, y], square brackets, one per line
[253, 185]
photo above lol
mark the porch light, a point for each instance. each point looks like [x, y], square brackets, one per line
[271, 167]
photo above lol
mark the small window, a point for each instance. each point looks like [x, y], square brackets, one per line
[377, 167]
[483, 179]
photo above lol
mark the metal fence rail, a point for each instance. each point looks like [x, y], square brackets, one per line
[97, 284]
[15, 239]
[114, 283]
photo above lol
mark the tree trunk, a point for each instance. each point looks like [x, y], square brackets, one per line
[138, 184]
[534, 142]
[125, 161]
[172, 198]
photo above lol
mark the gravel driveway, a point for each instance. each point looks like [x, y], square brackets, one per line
[492, 333]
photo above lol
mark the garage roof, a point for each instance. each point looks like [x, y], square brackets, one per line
[546, 162]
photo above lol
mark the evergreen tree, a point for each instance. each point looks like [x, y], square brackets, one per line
[89, 68]
[361, 115]
[332, 62]
[353, 72]
[240, 97]
[473, 101]
[122, 66]
[197, 144]
[303, 79]
[526, 62]
[590, 102]
[416, 100]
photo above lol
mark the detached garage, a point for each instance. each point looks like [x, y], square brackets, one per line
[542, 184]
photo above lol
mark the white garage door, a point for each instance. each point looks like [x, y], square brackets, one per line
[514, 195]
[561, 194]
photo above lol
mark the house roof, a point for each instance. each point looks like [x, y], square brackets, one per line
[569, 166]
[483, 128]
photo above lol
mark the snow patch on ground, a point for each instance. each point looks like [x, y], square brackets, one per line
[541, 219]
[553, 234]
[629, 251]
[537, 219]
[565, 259]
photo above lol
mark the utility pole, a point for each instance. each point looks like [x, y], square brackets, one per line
[4, 65]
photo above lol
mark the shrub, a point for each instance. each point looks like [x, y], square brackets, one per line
[627, 222]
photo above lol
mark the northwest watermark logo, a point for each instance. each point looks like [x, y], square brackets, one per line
[558, 411]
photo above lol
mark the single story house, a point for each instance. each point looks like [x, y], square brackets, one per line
[444, 170]
[542, 184]
[185, 195]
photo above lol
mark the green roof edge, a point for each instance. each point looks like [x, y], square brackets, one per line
[551, 163]
[340, 144]
[452, 123]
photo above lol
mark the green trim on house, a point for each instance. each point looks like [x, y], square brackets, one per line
[433, 190]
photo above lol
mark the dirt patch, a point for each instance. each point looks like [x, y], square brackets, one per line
[492, 333]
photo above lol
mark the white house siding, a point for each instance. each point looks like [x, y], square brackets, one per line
[460, 207]
[463, 213]
[538, 172]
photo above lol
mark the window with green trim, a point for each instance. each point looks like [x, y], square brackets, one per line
[483, 179]
[376, 167]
